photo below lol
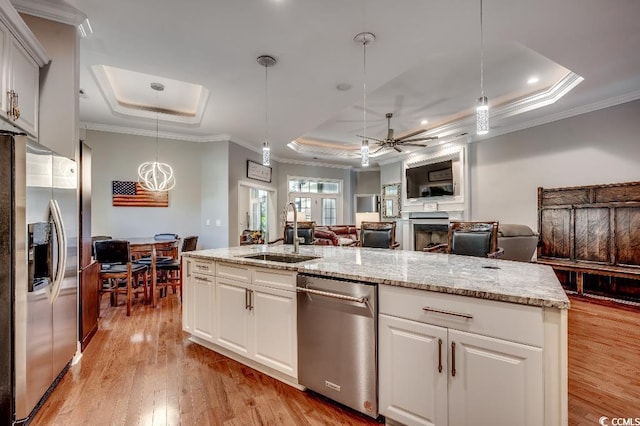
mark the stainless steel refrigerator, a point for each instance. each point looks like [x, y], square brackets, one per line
[38, 273]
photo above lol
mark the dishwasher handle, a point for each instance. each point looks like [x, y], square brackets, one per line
[332, 295]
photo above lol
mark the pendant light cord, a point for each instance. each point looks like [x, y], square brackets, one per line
[157, 124]
[364, 88]
[266, 107]
[481, 53]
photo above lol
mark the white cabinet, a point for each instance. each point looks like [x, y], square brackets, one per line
[22, 89]
[258, 321]
[412, 371]
[496, 382]
[198, 297]
[274, 338]
[434, 373]
[203, 305]
[246, 310]
[232, 315]
[20, 85]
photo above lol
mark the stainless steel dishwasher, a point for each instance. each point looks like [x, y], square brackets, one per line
[337, 340]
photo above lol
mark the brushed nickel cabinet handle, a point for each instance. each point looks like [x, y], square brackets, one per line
[453, 359]
[202, 279]
[250, 300]
[441, 311]
[247, 304]
[439, 355]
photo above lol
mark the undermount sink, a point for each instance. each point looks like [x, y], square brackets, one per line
[278, 257]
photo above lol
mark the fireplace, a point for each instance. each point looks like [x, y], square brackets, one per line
[429, 235]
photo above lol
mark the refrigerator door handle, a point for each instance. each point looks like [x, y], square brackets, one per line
[61, 238]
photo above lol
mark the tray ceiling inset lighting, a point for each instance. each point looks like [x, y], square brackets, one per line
[183, 103]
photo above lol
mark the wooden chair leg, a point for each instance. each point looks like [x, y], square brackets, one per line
[129, 291]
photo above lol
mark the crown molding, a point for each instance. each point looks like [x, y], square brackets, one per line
[314, 164]
[583, 109]
[57, 11]
[152, 133]
[10, 18]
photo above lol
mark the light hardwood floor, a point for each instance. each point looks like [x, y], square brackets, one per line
[141, 370]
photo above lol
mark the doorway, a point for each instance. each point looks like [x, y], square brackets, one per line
[256, 210]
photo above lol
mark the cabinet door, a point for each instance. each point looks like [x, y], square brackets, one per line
[187, 295]
[5, 36]
[203, 298]
[232, 319]
[273, 317]
[413, 389]
[24, 80]
[495, 383]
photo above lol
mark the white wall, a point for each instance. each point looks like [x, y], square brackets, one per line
[214, 183]
[58, 122]
[117, 157]
[595, 148]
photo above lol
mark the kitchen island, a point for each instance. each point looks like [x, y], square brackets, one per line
[460, 338]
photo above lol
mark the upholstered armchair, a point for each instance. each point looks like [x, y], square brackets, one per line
[478, 239]
[306, 231]
[378, 235]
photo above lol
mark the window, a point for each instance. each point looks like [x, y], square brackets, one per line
[320, 200]
[329, 211]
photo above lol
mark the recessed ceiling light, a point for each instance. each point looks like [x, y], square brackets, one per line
[343, 87]
[533, 80]
[423, 122]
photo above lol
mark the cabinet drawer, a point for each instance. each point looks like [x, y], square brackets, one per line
[234, 272]
[203, 266]
[509, 321]
[274, 278]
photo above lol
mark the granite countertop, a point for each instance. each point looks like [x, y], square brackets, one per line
[501, 280]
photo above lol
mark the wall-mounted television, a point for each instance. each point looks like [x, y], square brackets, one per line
[430, 180]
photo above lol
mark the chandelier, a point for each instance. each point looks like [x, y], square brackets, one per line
[154, 175]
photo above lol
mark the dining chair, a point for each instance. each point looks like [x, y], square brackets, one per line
[306, 231]
[171, 272]
[378, 235]
[98, 238]
[474, 238]
[118, 274]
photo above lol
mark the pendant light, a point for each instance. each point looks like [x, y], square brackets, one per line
[482, 107]
[266, 61]
[154, 175]
[364, 38]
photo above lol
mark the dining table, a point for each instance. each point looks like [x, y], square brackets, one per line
[146, 245]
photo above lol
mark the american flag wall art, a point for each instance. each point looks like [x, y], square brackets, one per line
[132, 194]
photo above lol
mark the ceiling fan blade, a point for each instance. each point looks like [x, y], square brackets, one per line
[413, 144]
[412, 134]
[370, 138]
[379, 149]
[425, 139]
[397, 149]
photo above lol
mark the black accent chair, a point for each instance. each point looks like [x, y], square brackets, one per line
[378, 235]
[478, 239]
[98, 238]
[171, 272]
[118, 274]
[306, 231]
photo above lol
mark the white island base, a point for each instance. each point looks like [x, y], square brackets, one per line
[461, 341]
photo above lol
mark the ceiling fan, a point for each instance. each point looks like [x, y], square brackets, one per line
[406, 140]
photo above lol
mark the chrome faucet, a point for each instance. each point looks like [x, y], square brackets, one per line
[296, 240]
